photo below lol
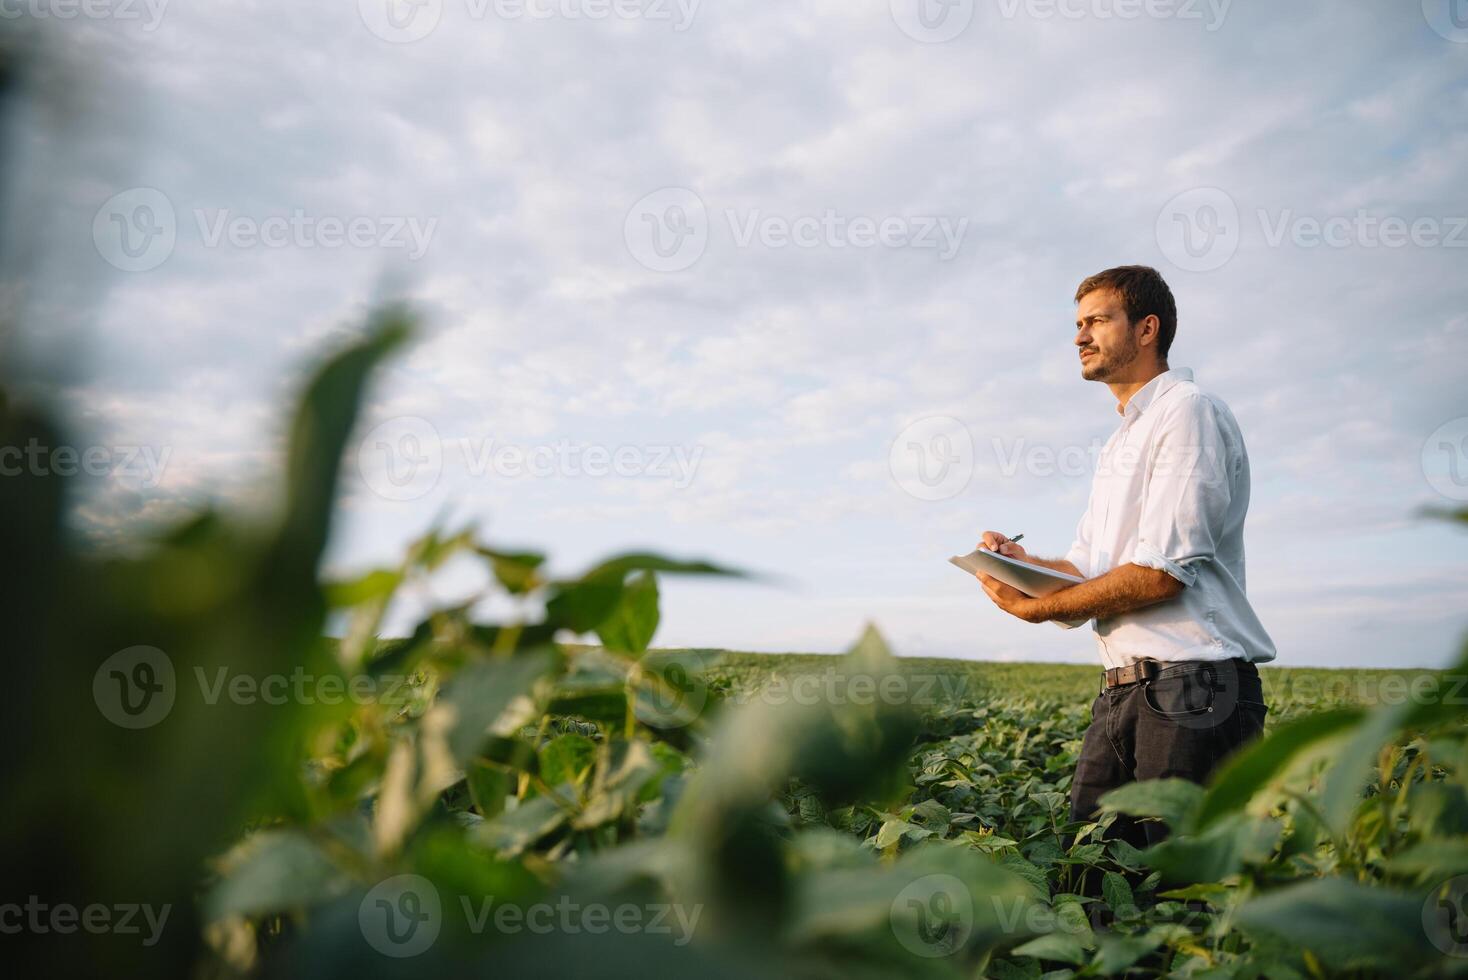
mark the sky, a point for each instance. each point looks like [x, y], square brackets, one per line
[783, 286]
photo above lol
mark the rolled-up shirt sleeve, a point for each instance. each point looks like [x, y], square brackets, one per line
[1186, 501]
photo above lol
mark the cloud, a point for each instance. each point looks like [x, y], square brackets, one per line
[792, 368]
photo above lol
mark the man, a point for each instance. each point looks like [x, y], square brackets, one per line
[1161, 546]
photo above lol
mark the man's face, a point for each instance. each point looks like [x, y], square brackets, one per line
[1104, 336]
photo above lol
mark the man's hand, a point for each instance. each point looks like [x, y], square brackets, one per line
[994, 541]
[1012, 600]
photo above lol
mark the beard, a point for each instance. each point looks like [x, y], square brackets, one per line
[1104, 365]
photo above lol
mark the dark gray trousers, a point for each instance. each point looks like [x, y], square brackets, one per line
[1181, 724]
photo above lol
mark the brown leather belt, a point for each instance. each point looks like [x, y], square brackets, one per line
[1132, 673]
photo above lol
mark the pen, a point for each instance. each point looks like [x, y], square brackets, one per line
[1014, 539]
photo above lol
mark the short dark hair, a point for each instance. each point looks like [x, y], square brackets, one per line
[1144, 293]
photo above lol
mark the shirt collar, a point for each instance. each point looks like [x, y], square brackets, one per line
[1152, 390]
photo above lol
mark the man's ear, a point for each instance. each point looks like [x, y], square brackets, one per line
[1148, 330]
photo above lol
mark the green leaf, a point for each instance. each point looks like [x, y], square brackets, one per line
[623, 767]
[930, 885]
[1126, 855]
[377, 584]
[515, 830]
[489, 786]
[583, 606]
[1251, 770]
[631, 626]
[1345, 923]
[621, 565]
[434, 548]
[1347, 777]
[891, 832]
[1219, 851]
[1431, 859]
[1173, 800]
[274, 871]
[1118, 894]
[318, 439]
[1056, 946]
[1117, 953]
[567, 758]
[515, 570]
[481, 692]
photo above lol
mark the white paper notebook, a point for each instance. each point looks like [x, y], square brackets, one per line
[1032, 580]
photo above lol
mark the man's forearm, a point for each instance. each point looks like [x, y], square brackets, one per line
[1121, 590]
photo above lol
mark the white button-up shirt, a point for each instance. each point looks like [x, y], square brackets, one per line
[1170, 492]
